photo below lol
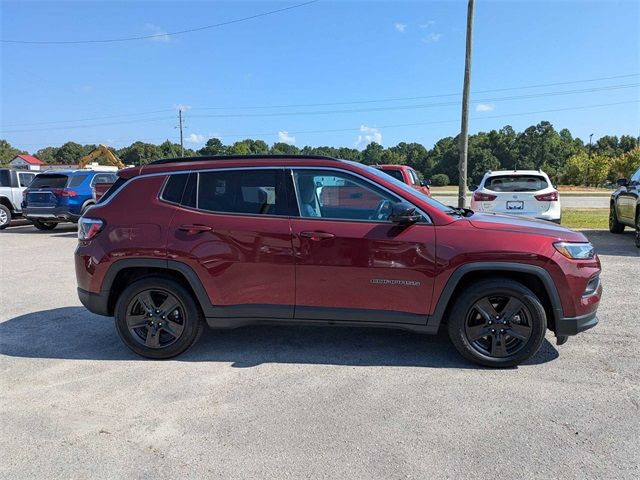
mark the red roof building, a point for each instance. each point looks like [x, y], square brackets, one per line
[26, 161]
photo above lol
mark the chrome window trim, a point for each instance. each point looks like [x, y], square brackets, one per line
[427, 221]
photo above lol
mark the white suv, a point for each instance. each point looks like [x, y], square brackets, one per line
[518, 192]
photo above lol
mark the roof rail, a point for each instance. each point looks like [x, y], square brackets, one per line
[239, 157]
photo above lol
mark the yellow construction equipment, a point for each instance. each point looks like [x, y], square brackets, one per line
[99, 151]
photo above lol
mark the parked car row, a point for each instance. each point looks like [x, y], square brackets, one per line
[51, 197]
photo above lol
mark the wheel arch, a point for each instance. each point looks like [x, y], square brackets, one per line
[124, 272]
[535, 278]
[7, 203]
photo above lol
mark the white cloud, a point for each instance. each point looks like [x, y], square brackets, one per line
[368, 135]
[401, 27]
[195, 138]
[182, 106]
[159, 35]
[427, 24]
[484, 107]
[284, 137]
[433, 37]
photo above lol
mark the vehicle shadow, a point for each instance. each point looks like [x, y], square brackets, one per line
[62, 230]
[607, 243]
[76, 334]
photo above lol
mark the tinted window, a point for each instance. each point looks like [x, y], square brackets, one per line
[118, 183]
[174, 188]
[49, 180]
[103, 178]
[516, 183]
[397, 174]
[77, 180]
[251, 192]
[635, 179]
[25, 179]
[332, 194]
[5, 178]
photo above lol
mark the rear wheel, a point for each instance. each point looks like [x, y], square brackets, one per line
[158, 318]
[614, 225]
[499, 323]
[40, 225]
[5, 217]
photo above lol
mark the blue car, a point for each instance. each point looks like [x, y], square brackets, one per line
[57, 196]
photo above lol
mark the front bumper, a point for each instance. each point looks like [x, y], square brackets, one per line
[50, 214]
[572, 326]
[97, 303]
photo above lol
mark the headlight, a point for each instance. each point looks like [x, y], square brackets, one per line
[575, 251]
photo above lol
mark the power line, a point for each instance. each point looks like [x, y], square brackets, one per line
[397, 125]
[354, 102]
[161, 35]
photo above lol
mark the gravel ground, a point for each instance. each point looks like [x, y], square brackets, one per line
[293, 402]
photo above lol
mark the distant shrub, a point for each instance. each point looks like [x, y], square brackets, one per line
[440, 180]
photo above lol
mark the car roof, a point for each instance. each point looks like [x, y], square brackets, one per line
[209, 158]
[72, 172]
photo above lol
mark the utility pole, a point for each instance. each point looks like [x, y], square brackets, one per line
[464, 126]
[181, 137]
[586, 180]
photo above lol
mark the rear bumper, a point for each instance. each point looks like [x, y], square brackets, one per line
[50, 214]
[97, 303]
[573, 326]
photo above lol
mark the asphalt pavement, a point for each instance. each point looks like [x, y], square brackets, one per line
[295, 402]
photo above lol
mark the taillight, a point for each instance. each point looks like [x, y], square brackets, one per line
[89, 228]
[547, 197]
[63, 192]
[484, 197]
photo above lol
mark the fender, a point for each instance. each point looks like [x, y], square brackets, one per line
[461, 271]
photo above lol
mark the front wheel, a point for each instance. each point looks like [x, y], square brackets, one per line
[40, 225]
[158, 318]
[5, 217]
[498, 323]
[614, 225]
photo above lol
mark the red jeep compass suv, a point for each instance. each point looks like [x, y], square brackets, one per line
[313, 240]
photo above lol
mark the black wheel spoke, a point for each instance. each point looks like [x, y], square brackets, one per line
[512, 308]
[137, 321]
[169, 305]
[477, 332]
[172, 328]
[498, 347]
[146, 301]
[153, 338]
[521, 332]
[486, 309]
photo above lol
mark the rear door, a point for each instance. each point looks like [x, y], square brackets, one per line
[628, 198]
[232, 228]
[352, 263]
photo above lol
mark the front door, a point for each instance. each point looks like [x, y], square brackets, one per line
[232, 228]
[351, 262]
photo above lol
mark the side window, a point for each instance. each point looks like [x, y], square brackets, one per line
[174, 188]
[76, 180]
[26, 178]
[339, 195]
[635, 179]
[102, 178]
[414, 177]
[251, 192]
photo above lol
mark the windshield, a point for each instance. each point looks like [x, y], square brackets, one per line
[49, 180]
[403, 186]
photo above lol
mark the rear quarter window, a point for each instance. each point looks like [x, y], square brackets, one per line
[5, 178]
[77, 180]
[174, 188]
[516, 183]
[397, 174]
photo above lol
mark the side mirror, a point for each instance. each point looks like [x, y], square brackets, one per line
[404, 214]
[473, 188]
[426, 183]
[622, 182]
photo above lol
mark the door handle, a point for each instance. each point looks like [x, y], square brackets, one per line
[317, 236]
[193, 229]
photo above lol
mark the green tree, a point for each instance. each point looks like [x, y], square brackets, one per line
[7, 152]
[248, 147]
[47, 154]
[372, 154]
[624, 165]
[70, 153]
[139, 153]
[213, 147]
[440, 180]
[281, 148]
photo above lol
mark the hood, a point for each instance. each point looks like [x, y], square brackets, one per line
[512, 223]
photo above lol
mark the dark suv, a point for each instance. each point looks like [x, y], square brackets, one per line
[313, 240]
[624, 209]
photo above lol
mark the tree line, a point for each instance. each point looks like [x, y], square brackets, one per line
[568, 160]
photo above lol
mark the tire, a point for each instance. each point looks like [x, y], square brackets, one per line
[40, 225]
[614, 225]
[147, 335]
[5, 217]
[638, 228]
[524, 327]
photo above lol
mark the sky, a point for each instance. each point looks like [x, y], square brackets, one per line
[338, 73]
